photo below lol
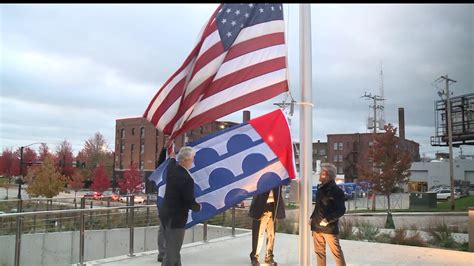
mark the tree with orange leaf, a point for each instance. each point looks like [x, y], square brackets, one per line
[131, 182]
[390, 164]
[100, 180]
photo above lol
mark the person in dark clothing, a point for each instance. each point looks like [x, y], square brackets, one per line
[264, 208]
[328, 209]
[178, 200]
[161, 232]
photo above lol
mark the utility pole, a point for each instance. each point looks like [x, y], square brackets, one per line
[375, 98]
[450, 132]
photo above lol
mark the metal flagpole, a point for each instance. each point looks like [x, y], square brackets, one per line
[306, 141]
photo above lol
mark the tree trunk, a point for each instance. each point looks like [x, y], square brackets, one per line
[388, 202]
[373, 200]
[389, 222]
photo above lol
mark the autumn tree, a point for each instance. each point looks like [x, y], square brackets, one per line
[44, 180]
[76, 183]
[95, 152]
[9, 163]
[390, 165]
[29, 159]
[65, 156]
[131, 182]
[43, 152]
[100, 179]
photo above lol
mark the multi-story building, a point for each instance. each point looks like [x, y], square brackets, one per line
[347, 151]
[319, 154]
[138, 142]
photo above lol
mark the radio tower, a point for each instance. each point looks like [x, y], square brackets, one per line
[381, 114]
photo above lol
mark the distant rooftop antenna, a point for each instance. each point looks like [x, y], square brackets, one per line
[381, 114]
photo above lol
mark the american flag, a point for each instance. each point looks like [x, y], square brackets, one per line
[239, 60]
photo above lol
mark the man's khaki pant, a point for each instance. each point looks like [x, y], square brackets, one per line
[320, 241]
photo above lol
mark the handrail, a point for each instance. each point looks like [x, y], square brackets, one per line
[15, 214]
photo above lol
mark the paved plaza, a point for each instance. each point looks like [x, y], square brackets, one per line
[235, 251]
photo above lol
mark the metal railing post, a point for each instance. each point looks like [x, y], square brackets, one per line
[204, 232]
[233, 221]
[131, 221]
[147, 210]
[108, 213]
[19, 222]
[81, 233]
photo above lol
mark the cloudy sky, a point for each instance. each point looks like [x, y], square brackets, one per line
[68, 71]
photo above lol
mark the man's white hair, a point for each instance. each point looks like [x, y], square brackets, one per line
[330, 168]
[185, 153]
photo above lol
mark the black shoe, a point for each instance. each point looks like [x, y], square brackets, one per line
[270, 261]
[160, 259]
[254, 261]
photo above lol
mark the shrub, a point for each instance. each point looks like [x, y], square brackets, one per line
[346, 229]
[367, 231]
[400, 238]
[441, 235]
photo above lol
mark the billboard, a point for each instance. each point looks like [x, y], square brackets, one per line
[462, 118]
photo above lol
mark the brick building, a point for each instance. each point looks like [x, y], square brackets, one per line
[346, 151]
[319, 153]
[138, 141]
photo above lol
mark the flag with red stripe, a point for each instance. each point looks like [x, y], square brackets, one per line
[239, 61]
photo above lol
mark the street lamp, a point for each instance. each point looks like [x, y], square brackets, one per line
[20, 181]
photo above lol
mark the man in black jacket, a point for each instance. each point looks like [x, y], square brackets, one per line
[161, 231]
[327, 211]
[178, 200]
[264, 209]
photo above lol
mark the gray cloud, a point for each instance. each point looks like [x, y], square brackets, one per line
[68, 71]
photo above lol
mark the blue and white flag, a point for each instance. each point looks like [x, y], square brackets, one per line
[237, 163]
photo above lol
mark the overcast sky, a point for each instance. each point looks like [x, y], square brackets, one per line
[68, 71]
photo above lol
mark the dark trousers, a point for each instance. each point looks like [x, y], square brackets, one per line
[266, 224]
[174, 240]
[161, 241]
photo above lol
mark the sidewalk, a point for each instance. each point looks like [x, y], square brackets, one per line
[235, 251]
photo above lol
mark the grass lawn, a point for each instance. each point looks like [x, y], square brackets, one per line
[461, 204]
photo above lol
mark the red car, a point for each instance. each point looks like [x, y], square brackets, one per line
[93, 195]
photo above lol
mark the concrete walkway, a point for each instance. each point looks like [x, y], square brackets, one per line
[235, 251]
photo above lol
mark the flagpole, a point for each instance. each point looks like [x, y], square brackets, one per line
[306, 141]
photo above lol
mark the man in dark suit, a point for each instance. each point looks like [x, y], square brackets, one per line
[161, 232]
[264, 209]
[178, 200]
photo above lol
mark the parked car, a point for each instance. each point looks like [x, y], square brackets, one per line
[93, 195]
[445, 194]
[137, 199]
[111, 195]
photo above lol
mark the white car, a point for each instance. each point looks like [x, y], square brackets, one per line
[137, 199]
[445, 194]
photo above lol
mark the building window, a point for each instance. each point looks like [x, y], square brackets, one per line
[335, 146]
[122, 148]
[132, 147]
[341, 146]
[142, 165]
[142, 149]
[142, 132]
[337, 158]
[122, 133]
[338, 146]
[340, 170]
[133, 131]
[322, 151]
